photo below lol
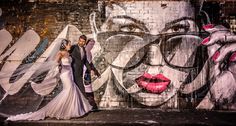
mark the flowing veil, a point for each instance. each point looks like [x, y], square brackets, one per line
[33, 80]
[44, 77]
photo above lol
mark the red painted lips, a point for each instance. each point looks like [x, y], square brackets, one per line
[155, 84]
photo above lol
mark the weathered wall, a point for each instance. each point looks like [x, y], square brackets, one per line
[47, 19]
[134, 51]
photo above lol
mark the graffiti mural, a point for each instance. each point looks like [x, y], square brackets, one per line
[153, 57]
[158, 54]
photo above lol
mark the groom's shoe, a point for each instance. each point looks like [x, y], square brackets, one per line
[90, 97]
[95, 109]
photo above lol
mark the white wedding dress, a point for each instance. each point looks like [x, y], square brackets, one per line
[69, 103]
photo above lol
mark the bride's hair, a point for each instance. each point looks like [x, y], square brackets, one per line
[64, 42]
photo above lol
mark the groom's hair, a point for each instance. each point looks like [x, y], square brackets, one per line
[83, 37]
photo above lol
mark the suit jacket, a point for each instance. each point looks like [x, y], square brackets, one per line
[77, 66]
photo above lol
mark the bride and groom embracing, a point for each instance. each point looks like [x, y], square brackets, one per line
[73, 101]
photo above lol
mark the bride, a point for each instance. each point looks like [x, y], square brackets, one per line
[70, 102]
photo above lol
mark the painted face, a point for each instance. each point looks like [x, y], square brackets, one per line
[150, 47]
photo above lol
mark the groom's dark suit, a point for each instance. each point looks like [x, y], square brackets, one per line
[77, 66]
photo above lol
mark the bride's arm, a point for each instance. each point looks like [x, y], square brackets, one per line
[58, 57]
[58, 60]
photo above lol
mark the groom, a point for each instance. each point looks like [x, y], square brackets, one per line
[79, 59]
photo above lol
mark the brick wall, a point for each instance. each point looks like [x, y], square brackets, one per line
[47, 19]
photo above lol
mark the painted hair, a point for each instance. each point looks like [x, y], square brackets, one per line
[63, 44]
[197, 4]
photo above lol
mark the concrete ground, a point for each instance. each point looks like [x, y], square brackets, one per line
[139, 117]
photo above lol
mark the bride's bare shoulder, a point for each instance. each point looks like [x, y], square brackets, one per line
[61, 54]
[64, 53]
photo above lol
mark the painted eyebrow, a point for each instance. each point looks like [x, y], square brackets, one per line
[171, 23]
[138, 22]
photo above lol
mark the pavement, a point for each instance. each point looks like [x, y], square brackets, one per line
[138, 117]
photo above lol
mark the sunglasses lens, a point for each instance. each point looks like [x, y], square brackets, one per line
[180, 50]
[113, 49]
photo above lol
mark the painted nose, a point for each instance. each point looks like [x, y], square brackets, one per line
[154, 60]
[154, 56]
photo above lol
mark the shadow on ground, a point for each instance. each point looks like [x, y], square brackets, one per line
[139, 117]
